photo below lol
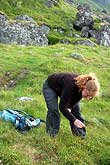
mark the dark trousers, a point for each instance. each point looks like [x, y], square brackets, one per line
[53, 116]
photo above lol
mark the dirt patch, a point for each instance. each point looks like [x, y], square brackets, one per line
[10, 79]
[29, 151]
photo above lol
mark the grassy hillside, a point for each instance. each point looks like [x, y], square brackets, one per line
[55, 16]
[30, 66]
[36, 147]
[61, 16]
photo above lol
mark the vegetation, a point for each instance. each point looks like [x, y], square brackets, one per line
[96, 4]
[36, 147]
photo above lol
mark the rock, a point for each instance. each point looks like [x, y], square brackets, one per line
[25, 32]
[83, 18]
[3, 17]
[85, 42]
[50, 3]
[77, 56]
[24, 18]
[103, 36]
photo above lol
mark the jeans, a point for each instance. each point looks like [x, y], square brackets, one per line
[53, 116]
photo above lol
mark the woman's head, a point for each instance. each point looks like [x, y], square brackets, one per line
[89, 85]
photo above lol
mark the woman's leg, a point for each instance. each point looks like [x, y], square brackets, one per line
[53, 116]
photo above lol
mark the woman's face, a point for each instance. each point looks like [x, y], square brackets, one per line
[86, 94]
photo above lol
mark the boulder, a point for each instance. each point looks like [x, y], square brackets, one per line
[83, 18]
[103, 36]
[23, 31]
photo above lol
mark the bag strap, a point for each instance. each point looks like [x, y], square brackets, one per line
[42, 121]
[13, 112]
[24, 113]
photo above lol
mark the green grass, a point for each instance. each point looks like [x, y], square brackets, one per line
[61, 16]
[36, 147]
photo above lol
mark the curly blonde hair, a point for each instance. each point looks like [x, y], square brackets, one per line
[89, 81]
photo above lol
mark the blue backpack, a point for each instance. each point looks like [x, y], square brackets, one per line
[21, 120]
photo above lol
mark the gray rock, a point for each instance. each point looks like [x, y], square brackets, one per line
[24, 32]
[85, 42]
[103, 36]
[3, 17]
[24, 18]
[77, 56]
[50, 3]
[85, 32]
[83, 17]
[45, 29]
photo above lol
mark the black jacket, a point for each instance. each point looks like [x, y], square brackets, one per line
[64, 86]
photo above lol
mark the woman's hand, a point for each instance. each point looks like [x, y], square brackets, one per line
[78, 123]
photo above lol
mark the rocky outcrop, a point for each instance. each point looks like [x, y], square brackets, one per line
[84, 23]
[103, 36]
[23, 30]
[83, 18]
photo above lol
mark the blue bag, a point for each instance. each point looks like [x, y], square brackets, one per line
[21, 120]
